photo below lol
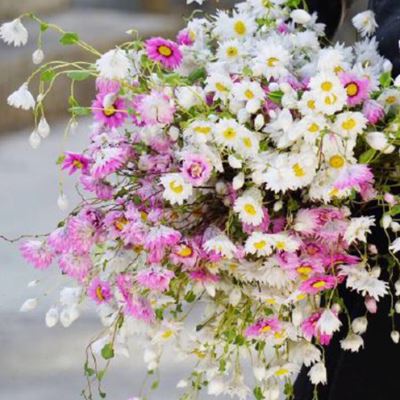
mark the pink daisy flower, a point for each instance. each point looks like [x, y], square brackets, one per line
[155, 108]
[196, 169]
[102, 189]
[184, 253]
[140, 308]
[75, 265]
[310, 330]
[354, 176]
[373, 111]
[318, 284]
[357, 88]
[58, 240]
[203, 276]
[107, 85]
[109, 109]
[99, 291]
[37, 253]
[81, 234]
[108, 160]
[164, 51]
[264, 327]
[155, 278]
[75, 162]
[185, 37]
[158, 239]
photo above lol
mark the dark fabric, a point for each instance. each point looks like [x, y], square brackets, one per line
[329, 13]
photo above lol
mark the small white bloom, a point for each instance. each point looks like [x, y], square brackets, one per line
[216, 386]
[43, 128]
[234, 161]
[395, 246]
[29, 305]
[182, 384]
[238, 181]
[258, 243]
[300, 16]
[35, 139]
[176, 189]
[358, 229]
[397, 81]
[70, 296]
[21, 98]
[38, 56]
[365, 23]
[52, 317]
[318, 374]
[235, 296]
[222, 245]
[377, 140]
[14, 33]
[33, 283]
[352, 343]
[113, 65]
[68, 316]
[173, 133]
[249, 207]
[62, 202]
[259, 122]
[359, 325]
[397, 307]
[395, 335]
[397, 287]
[328, 322]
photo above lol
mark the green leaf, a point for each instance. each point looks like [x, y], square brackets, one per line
[395, 210]
[60, 159]
[222, 365]
[258, 394]
[367, 156]
[44, 26]
[100, 374]
[154, 385]
[197, 74]
[78, 75]
[190, 297]
[69, 38]
[88, 371]
[385, 79]
[107, 351]
[80, 111]
[276, 96]
[47, 75]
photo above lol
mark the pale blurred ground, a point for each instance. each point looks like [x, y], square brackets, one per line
[37, 363]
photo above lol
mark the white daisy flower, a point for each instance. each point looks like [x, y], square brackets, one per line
[199, 131]
[21, 98]
[228, 133]
[350, 123]
[318, 374]
[365, 23]
[220, 85]
[14, 33]
[282, 372]
[352, 343]
[238, 26]
[249, 143]
[302, 169]
[176, 189]
[271, 60]
[249, 207]
[307, 103]
[284, 242]
[258, 243]
[358, 229]
[113, 65]
[251, 93]
[222, 245]
[231, 52]
[389, 98]
[311, 127]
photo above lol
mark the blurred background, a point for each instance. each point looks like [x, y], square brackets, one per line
[38, 363]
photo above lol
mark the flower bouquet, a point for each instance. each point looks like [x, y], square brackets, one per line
[230, 184]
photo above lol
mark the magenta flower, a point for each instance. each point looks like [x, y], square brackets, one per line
[109, 109]
[75, 265]
[373, 111]
[357, 88]
[58, 240]
[140, 308]
[264, 327]
[81, 234]
[310, 330]
[184, 253]
[185, 37]
[108, 160]
[354, 176]
[155, 278]
[37, 253]
[196, 169]
[158, 239]
[164, 51]
[318, 284]
[75, 162]
[99, 291]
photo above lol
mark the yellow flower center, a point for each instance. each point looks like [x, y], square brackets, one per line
[229, 134]
[167, 334]
[185, 251]
[221, 87]
[319, 284]
[240, 27]
[77, 164]
[349, 124]
[204, 130]
[143, 216]
[99, 293]
[338, 69]
[326, 86]
[250, 209]
[313, 128]
[260, 245]
[175, 187]
[266, 328]
[311, 104]
[352, 89]
[298, 170]
[272, 61]
[391, 100]
[120, 223]
[304, 270]
[165, 51]
[336, 161]
[270, 301]
[281, 372]
[280, 245]
[109, 111]
[247, 142]
[329, 100]
[249, 94]
[232, 51]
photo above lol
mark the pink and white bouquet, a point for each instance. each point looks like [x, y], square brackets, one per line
[231, 182]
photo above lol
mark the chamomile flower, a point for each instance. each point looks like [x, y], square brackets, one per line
[238, 26]
[220, 85]
[228, 133]
[311, 127]
[249, 207]
[285, 242]
[258, 243]
[221, 245]
[251, 93]
[199, 131]
[231, 53]
[301, 169]
[14, 33]
[176, 189]
[248, 144]
[390, 98]
[350, 123]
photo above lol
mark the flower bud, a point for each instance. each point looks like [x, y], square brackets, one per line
[395, 335]
[29, 305]
[359, 325]
[300, 17]
[37, 56]
[34, 139]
